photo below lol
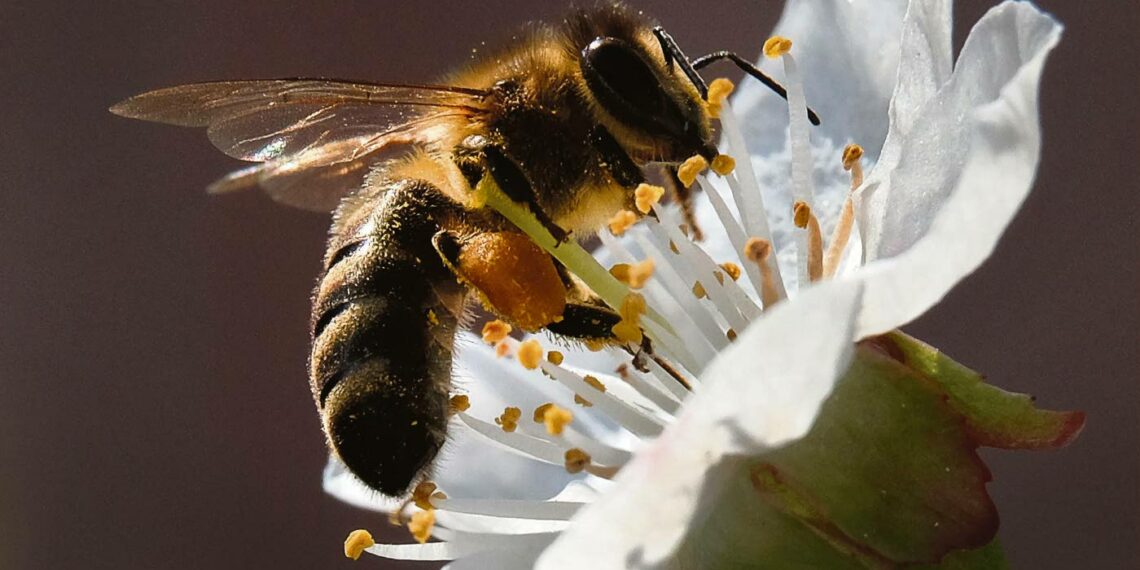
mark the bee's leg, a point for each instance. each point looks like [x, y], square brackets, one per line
[513, 277]
[477, 155]
[614, 158]
[684, 197]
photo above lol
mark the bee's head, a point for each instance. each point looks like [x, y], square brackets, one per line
[654, 110]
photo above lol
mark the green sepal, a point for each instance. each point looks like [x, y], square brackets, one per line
[888, 477]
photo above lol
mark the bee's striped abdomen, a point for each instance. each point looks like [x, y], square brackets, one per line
[384, 315]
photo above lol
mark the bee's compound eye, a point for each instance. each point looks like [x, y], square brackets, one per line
[624, 83]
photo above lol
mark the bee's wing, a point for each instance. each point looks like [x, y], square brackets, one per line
[315, 138]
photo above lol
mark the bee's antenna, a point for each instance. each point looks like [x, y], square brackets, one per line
[673, 53]
[750, 69]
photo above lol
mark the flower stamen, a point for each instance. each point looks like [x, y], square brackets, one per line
[842, 233]
[688, 171]
[758, 251]
[805, 219]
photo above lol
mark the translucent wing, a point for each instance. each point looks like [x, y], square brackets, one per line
[315, 137]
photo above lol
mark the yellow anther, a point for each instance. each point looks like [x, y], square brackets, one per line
[756, 249]
[632, 306]
[699, 290]
[629, 328]
[582, 401]
[421, 524]
[576, 460]
[530, 354]
[777, 46]
[646, 196]
[635, 275]
[554, 357]
[673, 248]
[502, 348]
[801, 213]
[851, 154]
[805, 219]
[495, 331]
[459, 403]
[621, 222]
[723, 164]
[509, 420]
[556, 419]
[432, 318]
[688, 171]
[730, 335]
[732, 269]
[424, 493]
[719, 90]
[595, 383]
[540, 412]
[357, 542]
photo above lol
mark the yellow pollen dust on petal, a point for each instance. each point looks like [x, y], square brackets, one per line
[509, 420]
[723, 164]
[719, 90]
[556, 419]
[530, 354]
[646, 196]
[495, 331]
[595, 383]
[576, 460]
[688, 171]
[554, 357]
[421, 524]
[459, 403]
[582, 401]
[621, 222]
[357, 541]
[777, 46]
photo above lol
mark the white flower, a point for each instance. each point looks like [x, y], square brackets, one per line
[954, 148]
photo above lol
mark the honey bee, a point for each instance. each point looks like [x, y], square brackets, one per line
[565, 120]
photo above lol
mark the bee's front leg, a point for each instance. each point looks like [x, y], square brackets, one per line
[477, 155]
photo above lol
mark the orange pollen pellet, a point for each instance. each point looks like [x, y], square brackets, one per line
[554, 357]
[495, 331]
[530, 354]
[646, 196]
[356, 543]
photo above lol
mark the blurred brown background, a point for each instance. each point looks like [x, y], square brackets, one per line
[154, 411]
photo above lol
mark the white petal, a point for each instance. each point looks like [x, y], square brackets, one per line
[848, 52]
[764, 391]
[1014, 40]
[898, 208]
